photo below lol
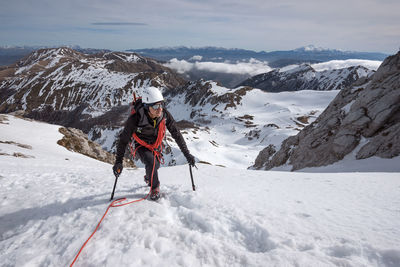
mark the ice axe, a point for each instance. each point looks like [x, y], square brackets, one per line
[191, 176]
[115, 183]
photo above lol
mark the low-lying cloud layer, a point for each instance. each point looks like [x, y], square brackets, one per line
[252, 67]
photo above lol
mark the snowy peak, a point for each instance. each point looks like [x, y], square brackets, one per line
[126, 57]
[311, 48]
[317, 49]
[46, 57]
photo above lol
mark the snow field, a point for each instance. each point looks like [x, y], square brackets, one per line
[225, 142]
[248, 218]
[50, 204]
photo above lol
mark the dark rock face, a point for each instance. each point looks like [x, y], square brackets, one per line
[266, 153]
[368, 113]
[305, 77]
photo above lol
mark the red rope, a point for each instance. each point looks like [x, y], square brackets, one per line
[115, 204]
[156, 148]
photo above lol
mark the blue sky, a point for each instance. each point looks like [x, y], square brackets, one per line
[362, 25]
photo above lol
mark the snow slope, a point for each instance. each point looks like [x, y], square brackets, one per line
[233, 136]
[51, 204]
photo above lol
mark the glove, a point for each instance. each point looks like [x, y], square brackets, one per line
[117, 168]
[190, 159]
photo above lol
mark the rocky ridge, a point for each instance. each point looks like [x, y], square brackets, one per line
[365, 116]
[304, 77]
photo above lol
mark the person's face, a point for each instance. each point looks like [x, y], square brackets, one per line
[156, 110]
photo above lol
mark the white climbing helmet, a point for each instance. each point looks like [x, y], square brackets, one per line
[151, 95]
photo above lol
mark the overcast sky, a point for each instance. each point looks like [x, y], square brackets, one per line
[362, 25]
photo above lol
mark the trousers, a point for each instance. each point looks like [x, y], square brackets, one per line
[147, 157]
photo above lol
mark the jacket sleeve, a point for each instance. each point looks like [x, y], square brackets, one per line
[176, 134]
[125, 137]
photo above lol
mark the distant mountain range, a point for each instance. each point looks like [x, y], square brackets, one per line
[276, 59]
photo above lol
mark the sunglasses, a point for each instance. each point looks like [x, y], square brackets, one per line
[157, 106]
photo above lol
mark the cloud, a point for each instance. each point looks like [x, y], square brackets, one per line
[196, 58]
[119, 23]
[252, 67]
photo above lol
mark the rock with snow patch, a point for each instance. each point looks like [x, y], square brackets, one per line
[264, 156]
[366, 113]
[75, 140]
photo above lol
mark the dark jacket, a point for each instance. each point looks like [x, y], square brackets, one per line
[147, 130]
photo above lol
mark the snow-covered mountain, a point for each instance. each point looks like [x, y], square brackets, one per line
[52, 200]
[304, 77]
[77, 90]
[65, 79]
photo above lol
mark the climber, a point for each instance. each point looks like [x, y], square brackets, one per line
[146, 128]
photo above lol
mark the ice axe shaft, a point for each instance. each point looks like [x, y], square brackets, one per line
[191, 176]
[115, 184]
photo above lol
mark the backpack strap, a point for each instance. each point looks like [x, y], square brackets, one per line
[136, 103]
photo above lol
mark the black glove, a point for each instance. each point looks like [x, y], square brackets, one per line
[190, 159]
[117, 168]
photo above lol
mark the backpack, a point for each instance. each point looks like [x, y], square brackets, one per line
[136, 104]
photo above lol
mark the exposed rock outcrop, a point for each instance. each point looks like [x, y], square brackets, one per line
[369, 111]
[264, 157]
[75, 140]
